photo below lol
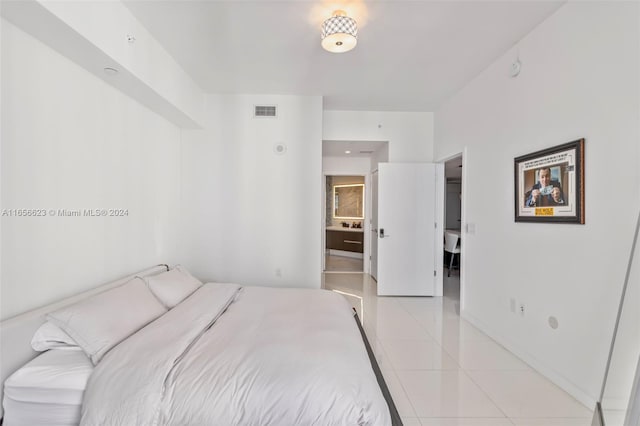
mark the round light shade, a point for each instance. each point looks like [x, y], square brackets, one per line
[339, 33]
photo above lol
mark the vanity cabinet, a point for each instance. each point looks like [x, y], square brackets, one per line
[346, 240]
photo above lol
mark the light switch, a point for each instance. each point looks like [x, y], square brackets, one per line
[471, 228]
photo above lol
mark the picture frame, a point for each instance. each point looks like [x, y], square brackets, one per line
[549, 185]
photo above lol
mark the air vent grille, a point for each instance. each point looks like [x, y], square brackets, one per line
[264, 111]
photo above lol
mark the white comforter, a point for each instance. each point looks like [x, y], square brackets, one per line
[241, 356]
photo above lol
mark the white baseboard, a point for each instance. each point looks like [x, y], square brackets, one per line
[343, 253]
[559, 380]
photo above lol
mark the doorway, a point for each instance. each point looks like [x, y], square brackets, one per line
[349, 158]
[453, 229]
[344, 223]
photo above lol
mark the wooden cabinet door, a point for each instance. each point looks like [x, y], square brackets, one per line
[345, 241]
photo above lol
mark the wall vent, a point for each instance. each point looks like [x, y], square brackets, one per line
[366, 152]
[264, 111]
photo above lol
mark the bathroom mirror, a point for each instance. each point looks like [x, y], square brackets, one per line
[348, 201]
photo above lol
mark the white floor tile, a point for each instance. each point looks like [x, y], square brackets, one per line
[465, 422]
[492, 388]
[417, 355]
[342, 263]
[449, 331]
[427, 308]
[555, 422]
[482, 354]
[381, 356]
[399, 327]
[352, 283]
[522, 394]
[400, 399]
[388, 308]
[389, 320]
[446, 394]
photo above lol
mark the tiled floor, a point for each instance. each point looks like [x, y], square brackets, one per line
[442, 371]
[342, 263]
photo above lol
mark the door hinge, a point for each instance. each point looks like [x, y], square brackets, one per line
[435, 225]
[434, 273]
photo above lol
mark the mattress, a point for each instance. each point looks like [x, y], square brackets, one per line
[228, 355]
[49, 389]
[19, 413]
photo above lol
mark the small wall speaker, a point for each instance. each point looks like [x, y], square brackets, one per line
[279, 148]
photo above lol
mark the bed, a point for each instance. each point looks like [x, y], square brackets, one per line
[214, 354]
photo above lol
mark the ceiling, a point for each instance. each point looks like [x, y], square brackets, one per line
[411, 55]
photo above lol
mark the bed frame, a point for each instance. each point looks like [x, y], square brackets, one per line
[393, 411]
[16, 332]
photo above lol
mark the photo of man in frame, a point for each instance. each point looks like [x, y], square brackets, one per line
[549, 185]
[547, 191]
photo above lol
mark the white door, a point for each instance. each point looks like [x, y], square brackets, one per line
[374, 226]
[406, 228]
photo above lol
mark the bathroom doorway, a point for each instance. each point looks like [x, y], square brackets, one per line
[344, 223]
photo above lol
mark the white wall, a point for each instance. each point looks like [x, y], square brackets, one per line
[579, 78]
[346, 166]
[248, 212]
[94, 35]
[410, 134]
[70, 141]
[381, 155]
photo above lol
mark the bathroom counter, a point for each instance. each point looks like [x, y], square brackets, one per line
[340, 228]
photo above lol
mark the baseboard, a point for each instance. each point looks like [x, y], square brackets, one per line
[343, 253]
[534, 363]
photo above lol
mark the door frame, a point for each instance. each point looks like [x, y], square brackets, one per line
[463, 217]
[371, 224]
[366, 221]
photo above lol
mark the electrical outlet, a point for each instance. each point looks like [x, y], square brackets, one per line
[521, 309]
[512, 305]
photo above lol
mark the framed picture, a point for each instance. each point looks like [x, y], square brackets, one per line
[549, 185]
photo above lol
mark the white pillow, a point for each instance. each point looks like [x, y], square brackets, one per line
[102, 321]
[173, 286]
[50, 336]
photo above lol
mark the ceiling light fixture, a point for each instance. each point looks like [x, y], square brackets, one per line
[339, 33]
[347, 152]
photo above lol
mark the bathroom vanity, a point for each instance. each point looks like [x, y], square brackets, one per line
[345, 239]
